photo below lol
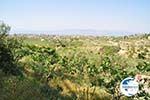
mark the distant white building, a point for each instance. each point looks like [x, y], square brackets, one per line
[42, 39]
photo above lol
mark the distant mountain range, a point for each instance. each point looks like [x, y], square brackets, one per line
[74, 32]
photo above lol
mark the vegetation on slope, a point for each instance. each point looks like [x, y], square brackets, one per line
[70, 67]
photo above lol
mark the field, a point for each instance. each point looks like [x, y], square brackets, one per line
[75, 67]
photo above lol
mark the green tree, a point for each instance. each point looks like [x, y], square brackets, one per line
[8, 63]
[4, 29]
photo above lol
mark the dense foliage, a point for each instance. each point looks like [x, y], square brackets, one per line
[8, 60]
[69, 68]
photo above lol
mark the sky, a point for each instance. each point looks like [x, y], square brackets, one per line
[44, 15]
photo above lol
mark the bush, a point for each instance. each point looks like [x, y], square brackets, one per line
[8, 62]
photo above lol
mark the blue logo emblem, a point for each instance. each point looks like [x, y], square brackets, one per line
[129, 87]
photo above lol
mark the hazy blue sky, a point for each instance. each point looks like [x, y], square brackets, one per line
[115, 15]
